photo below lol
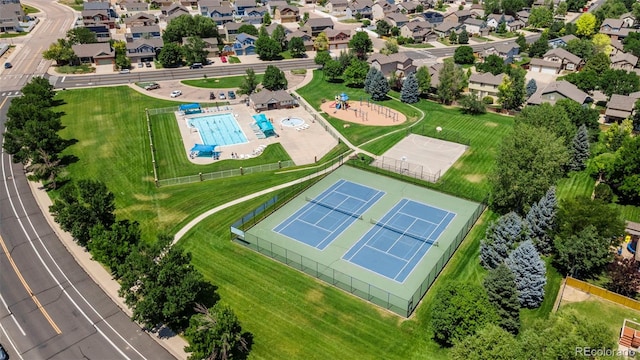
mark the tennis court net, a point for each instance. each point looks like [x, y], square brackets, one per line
[403, 232]
[349, 213]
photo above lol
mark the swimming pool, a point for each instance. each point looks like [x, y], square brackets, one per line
[218, 129]
[292, 122]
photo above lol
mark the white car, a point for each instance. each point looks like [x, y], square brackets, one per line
[176, 93]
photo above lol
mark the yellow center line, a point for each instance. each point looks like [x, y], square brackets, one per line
[3, 102]
[26, 286]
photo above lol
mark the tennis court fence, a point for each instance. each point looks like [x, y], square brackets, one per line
[404, 167]
[225, 173]
[397, 304]
[442, 134]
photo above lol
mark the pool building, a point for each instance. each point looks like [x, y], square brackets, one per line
[263, 128]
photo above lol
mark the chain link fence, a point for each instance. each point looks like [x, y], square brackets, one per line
[406, 168]
[225, 173]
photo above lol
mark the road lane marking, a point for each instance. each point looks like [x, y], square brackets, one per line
[11, 342]
[64, 77]
[26, 286]
[12, 316]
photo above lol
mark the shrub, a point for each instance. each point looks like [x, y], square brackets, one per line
[487, 100]
[603, 192]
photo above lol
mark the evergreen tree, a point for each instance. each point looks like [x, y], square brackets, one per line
[379, 86]
[580, 149]
[368, 79]
[530, 274]
[409, 93]
[453, 38]
[501, 237]
[532, 87]
[541, 220]
[500, 284]
[463, 38]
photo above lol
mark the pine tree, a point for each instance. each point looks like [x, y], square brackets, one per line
[379, 86]
[501, 238]
[409, 93]
[367, 80]
[532, 87]
[541, 219]
[500, 284]
[580, 149]
[463, 38]
[530, 274]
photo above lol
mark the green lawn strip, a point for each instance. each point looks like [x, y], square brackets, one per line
[419, 46]
[286, 55]
[172, 159]
[13, 35]
[228, 82]
[576, 184]
[30, 9]
[233, 60]
[630, 212]
[610, 313]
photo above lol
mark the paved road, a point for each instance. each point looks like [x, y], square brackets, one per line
[49, 307]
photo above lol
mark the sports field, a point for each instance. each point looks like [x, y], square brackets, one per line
[380, 238]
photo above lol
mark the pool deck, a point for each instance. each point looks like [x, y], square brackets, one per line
[303, 146]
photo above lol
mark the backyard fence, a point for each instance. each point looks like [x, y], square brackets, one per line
[397, 304]
[225, 173]
[440, 133]
[406, 168]
[603, 293]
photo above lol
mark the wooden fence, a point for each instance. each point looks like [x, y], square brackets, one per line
[603, 293]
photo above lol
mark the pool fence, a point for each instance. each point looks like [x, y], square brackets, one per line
[225, 173]
[317, 117]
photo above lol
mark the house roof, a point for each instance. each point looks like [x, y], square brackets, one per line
[97, 50]
[517, 22]
[627, 15]
[388, 59]
[209, 3]
[463, 12]
[224, 10]
[486, 78]
[156, 43]
[234, 25]
[320, 22]
[96, 5]
[244, 3]
[211, 41]
[434, 71]
[397, 17]
[334, 32]
[145, 29]
[475, 22]
[624, 57]
[545, 63]
[523, 14]
[407, 5]
[446, 26]
[621, 102]
[304, 36]
[617, 44]
[564, 39]
[498, 17]
[613, 23]
[242, 37]
[84, 13]
[564, 88]
[501, 47]
[413, 25]
[139, 16]
[563, 54]
[264, 96]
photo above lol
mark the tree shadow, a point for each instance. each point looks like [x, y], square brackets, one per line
[69, 159]
[243, 354]
[58, 102]
[208, 296]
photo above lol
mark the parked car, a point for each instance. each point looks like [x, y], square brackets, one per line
[231, 94]
[212, 96]
[152, 86]
[147, 64]
[223, 59]
[222, 96]
[125, 71]
[8, 65]
[3, 353]
[140, 65]
[176, 93]
[196, 66]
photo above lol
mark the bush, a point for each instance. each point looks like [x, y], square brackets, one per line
[487, 100]
[603, 192]
[366, 22]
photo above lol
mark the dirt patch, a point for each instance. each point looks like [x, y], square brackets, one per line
[371, 115]
[571, 294]
[314, 296]
[490, 124]
[142, 197]
[474, 178]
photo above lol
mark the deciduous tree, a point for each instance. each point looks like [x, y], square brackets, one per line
[355, 74]
[452, 80]
[170, 55]
[361, 44]
[540, 17]
[194, 50]
[493, 64]
[333, 70]
[321, 43]
[489, 342]
[464, 55]
[322, 57]
[424, 80]
[248, 29]
[186, 25]
[586, 24]
[472, 105]
[274, 79]
[296, 47]
[249, 83]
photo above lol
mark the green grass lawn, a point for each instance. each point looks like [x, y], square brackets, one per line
[12, 35]
[30, 9]
[418, 46]
[233, 60]
[607, 312]
[286, 55]
[80, 69]
[228, 82]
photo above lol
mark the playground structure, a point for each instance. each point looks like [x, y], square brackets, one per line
[362, 111]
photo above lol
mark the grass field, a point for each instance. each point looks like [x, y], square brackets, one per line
[229, 82]
[607, 312]
[419, 46]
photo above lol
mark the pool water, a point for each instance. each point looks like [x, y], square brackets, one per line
[292, 122]
[218, 129]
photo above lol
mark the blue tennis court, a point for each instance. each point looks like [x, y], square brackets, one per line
[395, 244]
[323, 218]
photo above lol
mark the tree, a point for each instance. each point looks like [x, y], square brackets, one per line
[321, 43]
[493, 64]
[390, 47]
[500, 285]
[459, 310]
[452, 80]
[382, 28]
[111, 246]
[367, 81]
[562, 8]
[464, 55]
[216, 334]
[540, 17]
[333, 70]
[576, 5]
[46, 167]
[489, 342]
[511, 7]
[541, 220]
[268, 48]
[305, 18]
[539, 47]
[492, 6]
[81, 35]
[511, 92]
[585, 80]
[472, 105]
[379, 86]
[624, 277]
[194, 50]
[453, 38]
[632, 42]
[410, 91]
[464, 37]
[322, 57]
[266, 19]
[582, 48]
[500, 238]
[502, 27]
[424, 80]
[355, 74]
[602, 44]
[122, 60]
[586, 24]
[248, 29]
[249, 83]
[345, 58]
[296, 47]
[581, 115]
[625, 174]
[531, 88]
[619, 82]
[419, 8]
[185, 26]
[395, 31]
[274, 79]
[580, 149]
[530, 274]
[553, 118]
[617, 135]
[584, 254]
[170, 55]
[60, 52]
[529, 162]
[636, 116]
[279, 34]
[83, 205]
[361, 44]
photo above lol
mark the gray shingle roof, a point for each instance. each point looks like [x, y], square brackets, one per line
[486, 78]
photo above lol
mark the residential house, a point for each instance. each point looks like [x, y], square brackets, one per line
[515, 25]
[558, 90]
[205, 6]
[269, 100]
[458, 16]
[337, 7]
[433, 17]
[446, 28]
[231, 30]
[614, 29]
[396, 19]
[506, 51]
[98, 54]
[145, 32]
[494, 20]
[362, 7]
[419, 31]
[211, 47]
[485, 84]
[306, 39]
[569, 61]
[190, 4]
[140, 19]
[159, 4]
[408, 7]
[244, 44]
[624, 61]
[318, 25]
[273, 26]
[523, 15]
[382, 8]
[616, 47]
[239, 6]
[434, 71]
[477, 11]
[220, 14]
[254, 15]
[97, 17]
[133, 6]
[628, 19]
[338, 39]
[544, 67]
[173, 11]
[476, 27]
[100, 5]
[620, 107]
[561, 41]
[102, 32]
[143, 50]
[398, 63]
[287, 14]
